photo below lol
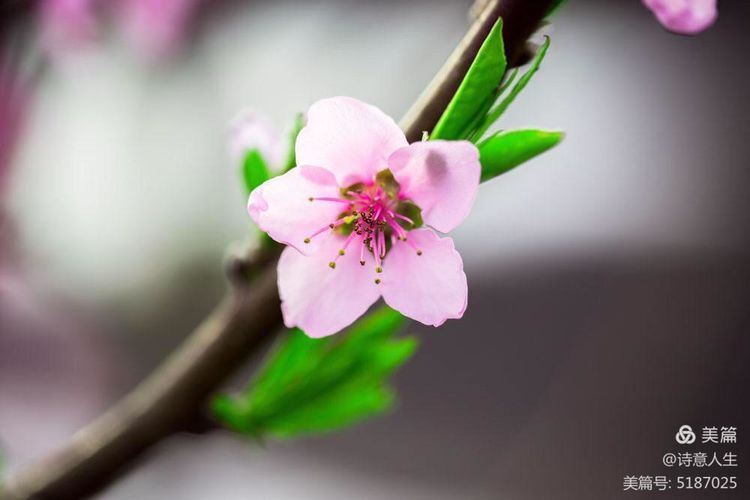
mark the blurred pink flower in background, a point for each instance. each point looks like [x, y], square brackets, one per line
[253, 131]
[13, 102]
[687, 17]
[54, 375]
[67, 24]
[350, 214]
[157, 28]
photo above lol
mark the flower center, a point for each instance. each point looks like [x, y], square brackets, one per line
[374, 217]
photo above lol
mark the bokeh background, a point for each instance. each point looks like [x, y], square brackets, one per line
[609, 279]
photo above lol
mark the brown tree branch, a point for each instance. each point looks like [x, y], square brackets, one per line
[520, 20]
[177, 391]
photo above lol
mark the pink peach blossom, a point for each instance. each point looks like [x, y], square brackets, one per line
[687, 17]
[350, 215]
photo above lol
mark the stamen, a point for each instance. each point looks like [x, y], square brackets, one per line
[376, 248]
[359, 196]
[328, 198]
[325, 228]
[342, 250]
[411, 244]
[377, 281]
[403, 217]
[397, 229]
[321, 230]
[332, 265]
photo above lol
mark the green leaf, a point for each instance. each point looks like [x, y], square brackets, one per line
[476, 92]
[337, 408]
[508, 149]
[496, 112]
[315, 385]
[254, 170]
[554, 8]
[299, 123]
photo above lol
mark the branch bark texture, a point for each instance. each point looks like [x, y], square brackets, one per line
[177, 392]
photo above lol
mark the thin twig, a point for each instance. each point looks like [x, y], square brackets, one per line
[177, 391]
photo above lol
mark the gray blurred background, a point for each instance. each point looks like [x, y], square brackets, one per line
[608, 278]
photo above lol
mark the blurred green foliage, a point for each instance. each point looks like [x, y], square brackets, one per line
[317, 385]
[254, 170]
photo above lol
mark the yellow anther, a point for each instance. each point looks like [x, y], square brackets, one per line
[378, 269]
[341, 252]
[377, 281]
[307, 240]
[332, 265]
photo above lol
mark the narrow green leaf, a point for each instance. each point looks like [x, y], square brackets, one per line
[508, 81]
[506, 150]
[254, 170]
[482, 114]
[477, 88]
[496, 112]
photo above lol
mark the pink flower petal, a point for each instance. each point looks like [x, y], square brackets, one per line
[687, 17]
[320, 300]
[429, 288]
[442, 177]
[348, 137]
[281, 206]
